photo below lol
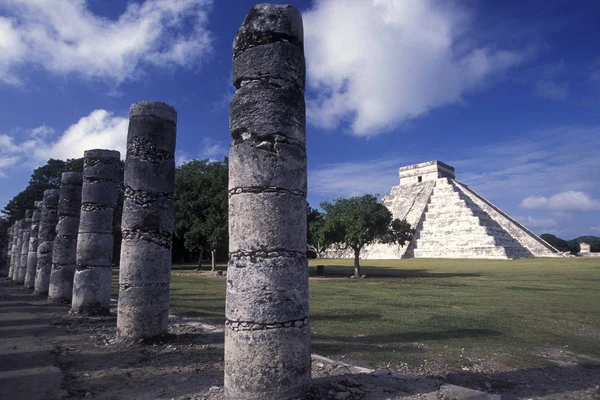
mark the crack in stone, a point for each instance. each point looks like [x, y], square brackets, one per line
[272, 81]
[261, 38]
[266, 189]
[242, 135]
[126, 286]
[89, 207]
[146, 150]
[272, 253]
[237, 326]
[66, 237]
[89, 266]
[92, 181]
[162, 239]
[143, 197]
[57, 266]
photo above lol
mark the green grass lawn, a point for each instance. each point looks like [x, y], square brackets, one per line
[449, 313]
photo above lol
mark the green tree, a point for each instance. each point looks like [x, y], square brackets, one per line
[201, 219]
[45, 177]
[316, 239]
[358, 221]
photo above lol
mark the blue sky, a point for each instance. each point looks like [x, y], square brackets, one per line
[508, 92]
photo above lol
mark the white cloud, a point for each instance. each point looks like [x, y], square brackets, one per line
[564, 201]
[64, 36]
[212, 150]
[98, 130]
[551, 90]
[378, 63]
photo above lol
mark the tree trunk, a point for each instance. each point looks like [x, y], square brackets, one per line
[200, 259]
[212, 256]
[356, 263]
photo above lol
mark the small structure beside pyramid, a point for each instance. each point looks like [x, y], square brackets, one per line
[451, 221]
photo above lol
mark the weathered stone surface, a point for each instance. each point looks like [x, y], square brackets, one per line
[46, 235]
[65, 242]
[275, 164]
[270, 363]
[16, 250]
[33, 245]
[267, 340]
[11, 248]
[258, 110]
[453, 392]
[265, 290]
[282, 60]
[90, 295]
[24, 243]
[147, 223]
[270, 221]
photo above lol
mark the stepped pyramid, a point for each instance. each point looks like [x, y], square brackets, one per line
[452, 221]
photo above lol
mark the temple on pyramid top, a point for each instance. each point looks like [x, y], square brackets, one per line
[451, 220]
[423, 172]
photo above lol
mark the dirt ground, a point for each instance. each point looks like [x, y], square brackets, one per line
[45, 353]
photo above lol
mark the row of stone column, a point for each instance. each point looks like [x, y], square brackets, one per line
[64, 247]
[267, 335]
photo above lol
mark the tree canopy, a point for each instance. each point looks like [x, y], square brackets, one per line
[201, 209]
[359, 221]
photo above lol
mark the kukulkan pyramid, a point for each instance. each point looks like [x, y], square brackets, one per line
[452, 221]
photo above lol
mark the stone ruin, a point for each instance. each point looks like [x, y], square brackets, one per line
[267, 332]
[148, 221]
[66, 251]
[585, 250]
[46, 235]
[65, 243]
[92, 279]
[451, 221]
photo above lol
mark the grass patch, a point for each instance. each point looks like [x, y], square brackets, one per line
[456, 312]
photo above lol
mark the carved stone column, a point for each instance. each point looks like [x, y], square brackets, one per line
[147, 223]
[267, 335]
[6, 249]
[33, 245]
[91, 286]
[65, 243]
[16, 250]
[23, 248]
[46, 235]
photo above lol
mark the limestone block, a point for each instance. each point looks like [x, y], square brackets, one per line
[146, 262]
[283, 355]
[143, 311]
[46, 235]
[100, 164]
[94, 249]
[274, 164]
[152, 213]
[29, 281]
[257, 111]
[283, 61]
[96, 219]
[268, 221]
[99, 193]
[89, 290]
[267, 290]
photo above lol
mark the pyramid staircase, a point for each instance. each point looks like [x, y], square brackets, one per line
[454, 226]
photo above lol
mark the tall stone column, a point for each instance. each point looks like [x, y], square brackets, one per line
[13, 247]
[46, 235]
[33, 245]
[65, 243]
[24, 247]
[147, 223]
[91, 285]
[267, 335]
[16, 250]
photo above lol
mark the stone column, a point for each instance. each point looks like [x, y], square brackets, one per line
[24, 247]
[33, 245]
[46, 235]
[65, 243]
[13, 248]
[16, 250]
[147, 223]
[91, 286]
[267, 331]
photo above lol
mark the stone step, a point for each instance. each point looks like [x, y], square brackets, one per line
[462, 252]
[470, 230]
[463, 241]
[445, 198]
